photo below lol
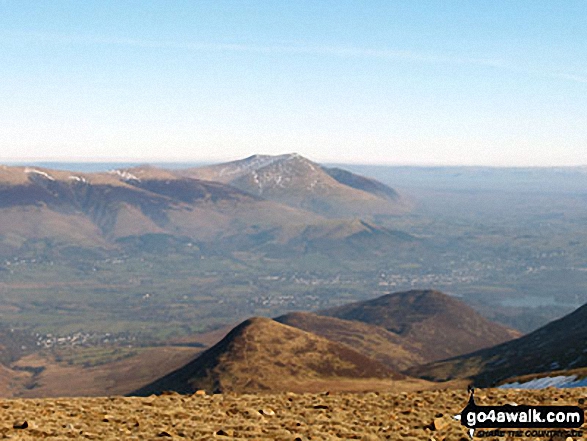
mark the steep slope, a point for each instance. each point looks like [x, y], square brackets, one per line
[372, 341]
[298, 182]
[362, 183]
[261, 354]
[438, 325]
[559, 345]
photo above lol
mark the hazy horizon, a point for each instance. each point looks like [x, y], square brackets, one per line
[202, 162]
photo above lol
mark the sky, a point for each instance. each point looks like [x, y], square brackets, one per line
[498, 83]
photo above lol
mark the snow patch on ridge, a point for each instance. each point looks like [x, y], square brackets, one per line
[560, 381]
[288, 171]
[252, 163]
[78, 179]
[125, 175]
[39, 172]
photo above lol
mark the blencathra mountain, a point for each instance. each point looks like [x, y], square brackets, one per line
[272, 203]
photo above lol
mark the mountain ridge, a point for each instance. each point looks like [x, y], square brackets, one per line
[370, 340]
[97, 209]
[427, 318]
[271, 354]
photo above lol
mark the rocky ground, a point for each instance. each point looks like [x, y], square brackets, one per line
[406, 416]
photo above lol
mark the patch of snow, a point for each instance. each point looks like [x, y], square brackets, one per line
[256, 179]
[78, 179]
[39, 172]
[311, 166]
[313, 184]
[257, 162]
[560, 381]
[125, 175]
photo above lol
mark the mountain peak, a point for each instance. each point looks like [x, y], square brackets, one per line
[294, 180]
[236, 169]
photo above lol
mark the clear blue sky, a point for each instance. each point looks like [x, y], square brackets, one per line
[399, 82]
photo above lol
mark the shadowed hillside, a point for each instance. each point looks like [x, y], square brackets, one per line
[370, 340]
[557, 346]
[438, 325]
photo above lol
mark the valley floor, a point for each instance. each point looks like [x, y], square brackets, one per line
[425, 415]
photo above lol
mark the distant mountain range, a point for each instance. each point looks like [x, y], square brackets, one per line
[278, 202]
[376, 340]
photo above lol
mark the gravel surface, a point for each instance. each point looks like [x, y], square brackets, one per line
[286, 416]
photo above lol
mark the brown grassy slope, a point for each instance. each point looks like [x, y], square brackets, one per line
[115, 378]
[261, 354]
[561, 344]
[370, 340]
[437, 325]
[17, 224]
